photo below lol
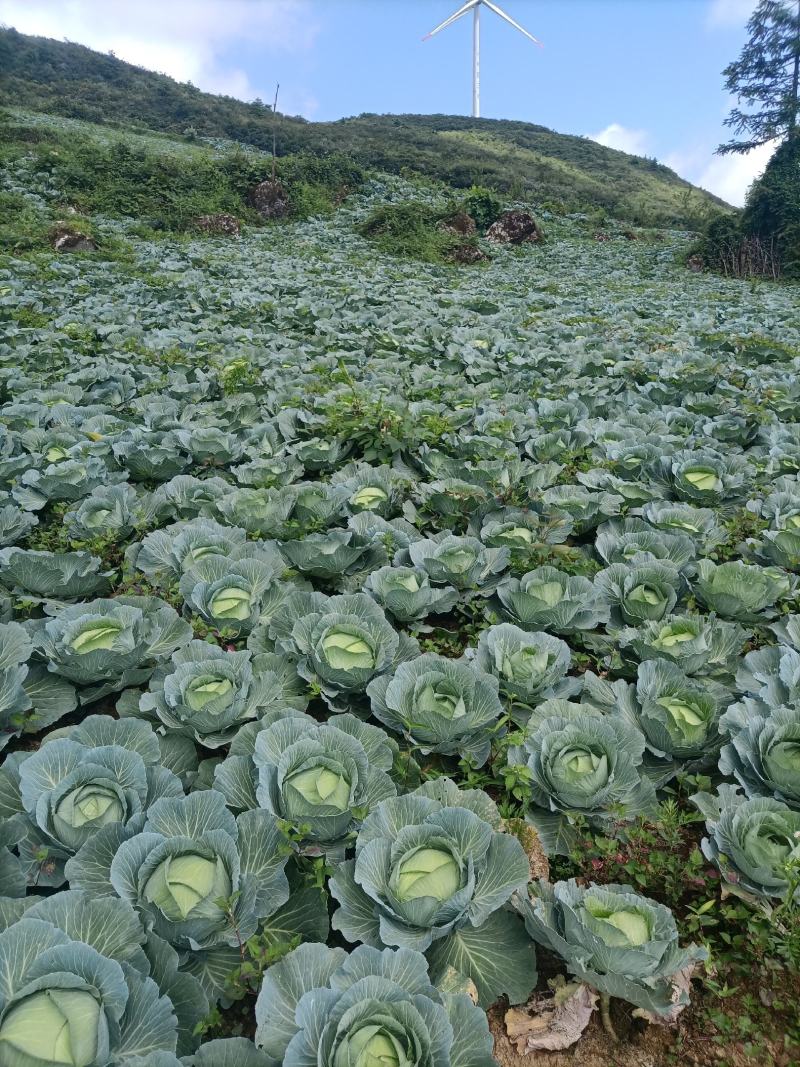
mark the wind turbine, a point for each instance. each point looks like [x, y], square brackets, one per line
[475, 7]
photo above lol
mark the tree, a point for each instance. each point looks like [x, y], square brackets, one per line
[772, 210]
[766, 77]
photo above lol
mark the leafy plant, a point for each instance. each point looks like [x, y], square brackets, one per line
[432, 873]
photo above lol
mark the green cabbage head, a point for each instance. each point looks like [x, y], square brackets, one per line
[433, 873]
[381, 1010]
[752, 842]
[620, 943]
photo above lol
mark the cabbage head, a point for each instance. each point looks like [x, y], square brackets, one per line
[209, 444]
[634, 541]
[528, 666]
[581, 763]
[149, 455]
[109, 511]
[435, 875]
[104, 646]
[374, 489]
[31, 698]
[164, 555]
[77, 992]
[549, 599]
[740, 591]
[620, 943]
[15, 523]
[207, 693]
[320, 779]
[198, 878]
[697, 644]
[55, 576]
[763, 751]
[679, 716]
[102, 772]
[708, 478]
[67, 480]
[586, 508]
[407, 594]
[343, 641]
[233, 596]
[461, 562]
[752, 842]
[640, 592]
[701, 524]
[521, 531]
[380, 1008]
[439, 705]
[335, 556]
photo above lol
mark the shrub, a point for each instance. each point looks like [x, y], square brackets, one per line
[483, 205]
[772, 211]
[409, 229]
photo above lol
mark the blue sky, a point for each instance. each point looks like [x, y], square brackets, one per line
[643, 75]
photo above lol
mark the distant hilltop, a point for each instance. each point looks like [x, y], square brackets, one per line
[519, 158]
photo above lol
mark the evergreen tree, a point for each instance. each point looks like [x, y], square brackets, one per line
[765, 77]
[772, 211]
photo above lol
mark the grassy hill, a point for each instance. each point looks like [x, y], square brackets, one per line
[69, 80]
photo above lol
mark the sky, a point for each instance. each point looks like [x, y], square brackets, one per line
[640, 75]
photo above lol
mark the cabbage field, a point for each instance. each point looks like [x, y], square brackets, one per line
[385, 646]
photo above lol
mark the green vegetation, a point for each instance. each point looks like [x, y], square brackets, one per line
[766, 77]
[160, 183]
[433, 232]
[373, 624]
[765, 239]
[409, 229]
[772, 211]
[517, 158]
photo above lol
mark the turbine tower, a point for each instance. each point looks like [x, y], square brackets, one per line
[475, 7]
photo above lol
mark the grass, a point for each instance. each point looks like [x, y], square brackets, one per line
[516, 158]
[163, 184]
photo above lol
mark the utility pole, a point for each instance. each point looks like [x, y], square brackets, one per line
[275, 129]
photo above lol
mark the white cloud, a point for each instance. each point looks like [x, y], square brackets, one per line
[186, 39]
[623, 138]
[727, 176]
[723, 14]
[731, 176]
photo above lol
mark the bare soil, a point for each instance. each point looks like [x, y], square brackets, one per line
[689, 1044]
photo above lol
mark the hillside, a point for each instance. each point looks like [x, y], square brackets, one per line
[531, 161]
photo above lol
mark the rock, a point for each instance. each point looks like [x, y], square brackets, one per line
[515, 228]
[270, 199]
[65, 238]
[220, 225]
[695, 263]
[468, 254]
[460, 223]
[602, 236]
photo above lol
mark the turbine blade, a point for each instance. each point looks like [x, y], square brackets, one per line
[470, 4]
[511, 22]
